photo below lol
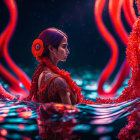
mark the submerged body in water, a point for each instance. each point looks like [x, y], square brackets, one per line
[83, 121]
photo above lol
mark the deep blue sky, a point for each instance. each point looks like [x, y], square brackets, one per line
[75, 17]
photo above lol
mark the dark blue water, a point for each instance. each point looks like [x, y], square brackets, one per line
[18, 120]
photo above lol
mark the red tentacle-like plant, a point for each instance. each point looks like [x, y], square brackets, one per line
[129, 12]
[115, 15]
[4, 42]
[132, 130]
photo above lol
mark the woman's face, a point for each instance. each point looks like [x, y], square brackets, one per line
[62, 52]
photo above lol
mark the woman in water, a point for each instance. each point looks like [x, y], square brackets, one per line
[49, 83]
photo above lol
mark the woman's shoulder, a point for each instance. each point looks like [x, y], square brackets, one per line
[46, 74]
[58, 81]
[44, 77]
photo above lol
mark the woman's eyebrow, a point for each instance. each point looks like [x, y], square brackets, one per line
[64, 43]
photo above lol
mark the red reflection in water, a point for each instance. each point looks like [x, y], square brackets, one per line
[21, 109]
[2, 138]
[21, 126]
[26, 138]
[5, 111]
[102, 129]
[2, 105]
[3, 115]
[2, 119]
[25, 115]
[3, 132]
[56, 129]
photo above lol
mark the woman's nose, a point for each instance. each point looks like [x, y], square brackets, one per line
[68, 52]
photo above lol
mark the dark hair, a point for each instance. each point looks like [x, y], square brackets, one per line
[50, 36]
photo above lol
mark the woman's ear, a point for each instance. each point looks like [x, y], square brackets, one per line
[51, 49]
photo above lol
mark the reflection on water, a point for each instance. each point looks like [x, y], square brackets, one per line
[18, 119]
[29, 120]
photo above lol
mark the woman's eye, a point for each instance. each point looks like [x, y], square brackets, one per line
[64, 46]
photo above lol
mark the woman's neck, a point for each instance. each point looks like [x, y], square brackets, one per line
[54, 60]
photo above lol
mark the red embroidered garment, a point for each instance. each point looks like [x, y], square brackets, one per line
[65, 76]
[50, 86]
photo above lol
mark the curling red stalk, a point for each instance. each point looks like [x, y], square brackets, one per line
[7, 36]
[129, 12]
[124, 71]
[115, 15]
